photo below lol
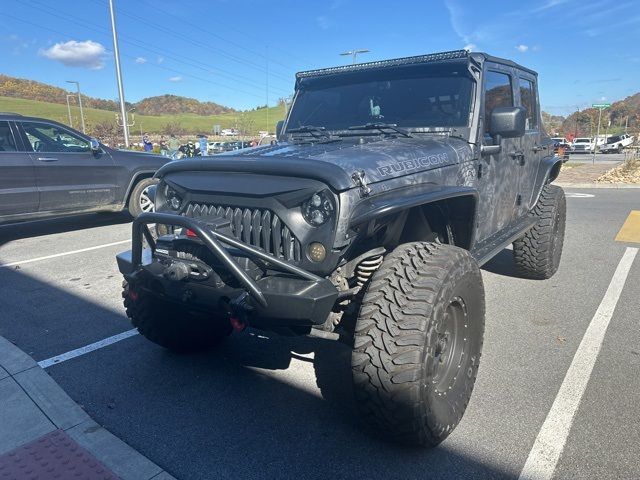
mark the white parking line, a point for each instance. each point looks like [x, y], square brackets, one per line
[552, 437]
[63, 254]
[87, 348]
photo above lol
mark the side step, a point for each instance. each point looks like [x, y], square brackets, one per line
[489, 248]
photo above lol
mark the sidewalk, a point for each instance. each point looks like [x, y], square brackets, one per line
[45, 434]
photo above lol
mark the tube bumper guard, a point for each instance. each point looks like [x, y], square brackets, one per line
[287, 296]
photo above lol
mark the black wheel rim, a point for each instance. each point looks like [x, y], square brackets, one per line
[451, 344]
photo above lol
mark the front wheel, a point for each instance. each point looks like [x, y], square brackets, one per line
[140, 200]
[418, 340]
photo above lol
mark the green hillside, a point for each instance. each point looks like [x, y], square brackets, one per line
[254, 120]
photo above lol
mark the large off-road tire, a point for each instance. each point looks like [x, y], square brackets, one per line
[537, 254]
[173, 327]
[418, 340]
[140, 200]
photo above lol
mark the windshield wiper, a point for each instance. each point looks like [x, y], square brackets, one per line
[317, 132]
[382, 127]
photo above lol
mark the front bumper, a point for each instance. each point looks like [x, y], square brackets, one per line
[238, 280]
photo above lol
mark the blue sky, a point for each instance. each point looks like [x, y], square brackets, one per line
[220, 50]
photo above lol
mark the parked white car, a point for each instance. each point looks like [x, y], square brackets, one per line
[583, 145]
[229, 132]
[616, 143]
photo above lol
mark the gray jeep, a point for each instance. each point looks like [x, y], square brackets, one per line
[393, 181]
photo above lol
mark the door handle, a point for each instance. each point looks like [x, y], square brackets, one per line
[47, 159]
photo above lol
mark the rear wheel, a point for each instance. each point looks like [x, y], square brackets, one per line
[418, 340]
[171, 326]
[140, 200]
[537, 254]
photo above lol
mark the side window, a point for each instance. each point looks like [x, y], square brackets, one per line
[497, 93]
[528, 100]
[7, 142]
[48, 138]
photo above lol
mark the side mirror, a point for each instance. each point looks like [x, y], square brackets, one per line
[279, 126]
[507, 122]
[95, 144]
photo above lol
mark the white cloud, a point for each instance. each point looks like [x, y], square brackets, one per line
[602, 99]
[522, 48]
[160, 59]
[470, 46]
[176, 78]
[141, 60]
[323, 22]
[86, 54]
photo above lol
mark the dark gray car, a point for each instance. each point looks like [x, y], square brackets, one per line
[48, 169]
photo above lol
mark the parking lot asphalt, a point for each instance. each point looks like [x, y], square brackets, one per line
[264, 406]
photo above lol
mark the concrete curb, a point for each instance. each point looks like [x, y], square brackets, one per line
[596, 185]
[32, 404]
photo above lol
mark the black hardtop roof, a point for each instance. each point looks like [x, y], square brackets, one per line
[418, 59]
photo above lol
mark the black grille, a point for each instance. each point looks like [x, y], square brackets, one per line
[260, 228]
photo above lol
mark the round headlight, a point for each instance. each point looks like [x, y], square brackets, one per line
[173, 199]
[318, 209]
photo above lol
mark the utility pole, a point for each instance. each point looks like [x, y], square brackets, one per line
[116, 55]
[354, 54]
[69, 108]
[79, 103]
[267, 82]
[600, 107]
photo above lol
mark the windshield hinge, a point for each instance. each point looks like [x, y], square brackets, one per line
[358, 179]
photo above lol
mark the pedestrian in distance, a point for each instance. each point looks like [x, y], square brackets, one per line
[146, 143]
[202, 141]
[174, 146]
[164, 149]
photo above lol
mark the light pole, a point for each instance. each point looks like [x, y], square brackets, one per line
[354, 54]
[116, 56]
[69, 108]
[79, 103]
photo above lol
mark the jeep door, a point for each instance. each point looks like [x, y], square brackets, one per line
[534, 144]
[500, 173]
[18, 190]
[69, 174]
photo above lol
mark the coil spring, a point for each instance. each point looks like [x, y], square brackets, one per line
[366, 268]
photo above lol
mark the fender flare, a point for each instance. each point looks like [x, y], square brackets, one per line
[548, 171]
[401, 199]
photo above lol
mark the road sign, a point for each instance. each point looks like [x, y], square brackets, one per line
[601, 105]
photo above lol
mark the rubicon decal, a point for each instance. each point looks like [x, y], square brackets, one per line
[414, 164]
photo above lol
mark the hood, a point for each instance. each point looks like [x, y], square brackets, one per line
[335, 163]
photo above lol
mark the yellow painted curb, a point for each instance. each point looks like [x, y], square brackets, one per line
[630, 231]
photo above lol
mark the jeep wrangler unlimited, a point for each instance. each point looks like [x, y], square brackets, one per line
[392, 182]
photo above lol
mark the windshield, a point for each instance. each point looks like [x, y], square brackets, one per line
[418, 97]
[613, 139]
[582, 140]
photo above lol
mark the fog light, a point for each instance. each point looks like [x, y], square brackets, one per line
[317, 252]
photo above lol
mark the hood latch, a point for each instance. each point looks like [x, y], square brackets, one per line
[358, 179]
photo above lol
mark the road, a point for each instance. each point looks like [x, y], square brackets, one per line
[264, 406]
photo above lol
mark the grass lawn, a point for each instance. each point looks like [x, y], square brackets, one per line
[147, 123]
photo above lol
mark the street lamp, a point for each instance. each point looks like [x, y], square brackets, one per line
[69, 108]
[79, 102]
[354, 53]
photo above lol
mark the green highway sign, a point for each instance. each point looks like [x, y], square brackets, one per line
[601, 105]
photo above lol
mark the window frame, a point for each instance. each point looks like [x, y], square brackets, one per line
[14, 137]
[534, 100]
[502, 70]
[29, 147]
